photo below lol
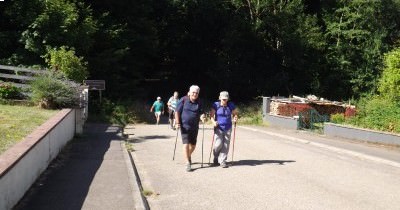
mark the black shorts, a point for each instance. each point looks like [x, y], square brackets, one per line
[189, 136]
[171, 114]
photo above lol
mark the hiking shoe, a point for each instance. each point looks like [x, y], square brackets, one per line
[188, 167]
[224, 165]
[215, 162]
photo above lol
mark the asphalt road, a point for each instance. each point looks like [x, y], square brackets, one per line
[272, 169]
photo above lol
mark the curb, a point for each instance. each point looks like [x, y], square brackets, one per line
[327, 147]
[139, 199]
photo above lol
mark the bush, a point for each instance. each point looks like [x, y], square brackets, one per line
[250, 113]
[51, 93]
[117, 113]
[65, 60]
[338, 118]
[378, 113]
[389, 83]
[9, 91]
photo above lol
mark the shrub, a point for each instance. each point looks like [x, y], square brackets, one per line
[51, 93]
[117, 113]
[65, 60]
[378, 113]
[389, 83]
[9, 91]
[338, 118]
[250, 113]
[120, 115]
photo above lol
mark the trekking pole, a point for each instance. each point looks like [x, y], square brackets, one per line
[233, 145]
[202, 146]
[176, 140]
[212, 144]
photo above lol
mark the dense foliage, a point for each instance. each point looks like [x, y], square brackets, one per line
[145, 48]
[389, 84]
[66, 62]
[378, 113]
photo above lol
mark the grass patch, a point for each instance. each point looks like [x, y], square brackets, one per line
[129, 146]
[147, 192]
[16, 122]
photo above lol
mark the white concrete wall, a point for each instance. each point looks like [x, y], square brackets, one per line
[282, 121]
[331, 129]
[22, 164]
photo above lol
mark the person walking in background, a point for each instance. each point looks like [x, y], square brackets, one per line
[188, 113]
[172, 103]
[158, 107]
[221, 117]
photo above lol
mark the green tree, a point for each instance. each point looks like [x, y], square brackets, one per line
[389, 83]
[15, 17]
[61, 23]
[64, 60]
[357, 34]
[126, 49]
[295, 41]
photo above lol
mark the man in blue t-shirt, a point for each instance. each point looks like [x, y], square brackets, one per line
[221, 117]
[188, 113]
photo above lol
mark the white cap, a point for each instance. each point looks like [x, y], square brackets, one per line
[158, 98]
[223, 95]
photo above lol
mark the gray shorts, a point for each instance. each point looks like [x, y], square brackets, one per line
[189, 136]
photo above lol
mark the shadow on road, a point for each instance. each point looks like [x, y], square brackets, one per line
[260, 162]
[243, 163]
[141, 139]
[66, 182]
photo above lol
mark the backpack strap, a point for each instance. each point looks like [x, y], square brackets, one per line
[183, 102]
[184, 98]
[218, 104]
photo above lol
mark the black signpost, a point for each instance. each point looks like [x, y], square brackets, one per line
[96, 85]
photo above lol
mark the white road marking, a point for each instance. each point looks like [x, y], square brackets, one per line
[330, 148]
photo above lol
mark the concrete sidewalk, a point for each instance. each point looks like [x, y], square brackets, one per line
[94, 172]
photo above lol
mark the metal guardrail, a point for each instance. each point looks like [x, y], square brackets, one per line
[310, 118]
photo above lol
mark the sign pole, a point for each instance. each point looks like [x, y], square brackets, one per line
[100, 95]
